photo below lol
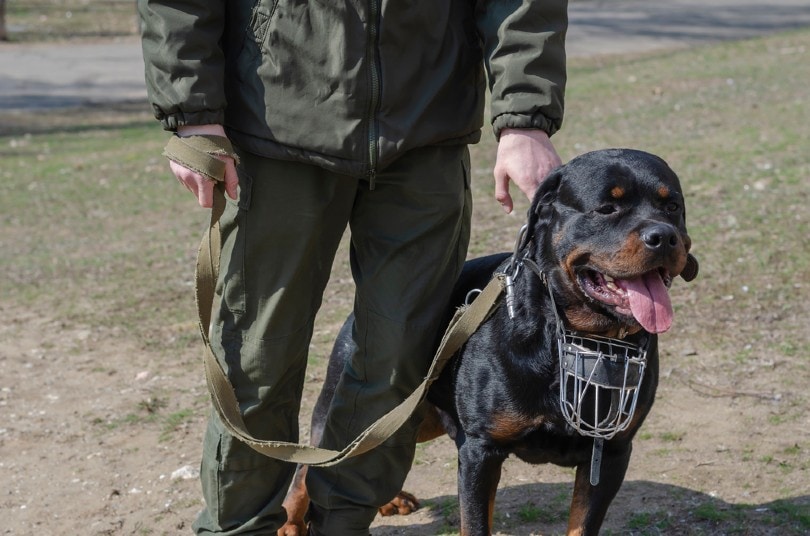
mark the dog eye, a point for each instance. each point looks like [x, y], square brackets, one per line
[672, 207]
[607, 209]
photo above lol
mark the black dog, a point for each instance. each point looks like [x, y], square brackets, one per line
[606, 235]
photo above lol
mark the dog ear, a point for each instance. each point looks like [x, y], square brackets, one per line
[544, 197]
[691, 269]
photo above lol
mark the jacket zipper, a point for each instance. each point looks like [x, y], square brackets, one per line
[373, 32]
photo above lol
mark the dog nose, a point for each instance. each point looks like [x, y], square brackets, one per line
[659, 237]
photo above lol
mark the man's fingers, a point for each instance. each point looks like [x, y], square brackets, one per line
[205, 192]
[204, 148]
[187, 187]
[202, 187]
[502, 190]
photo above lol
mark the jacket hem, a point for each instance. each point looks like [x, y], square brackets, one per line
[353, 168]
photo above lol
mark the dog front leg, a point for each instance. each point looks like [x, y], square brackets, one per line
[479, 471]
[590, 503]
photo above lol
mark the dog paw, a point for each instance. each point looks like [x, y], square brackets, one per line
[403, 504]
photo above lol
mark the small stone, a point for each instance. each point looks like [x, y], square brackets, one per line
[186, 472]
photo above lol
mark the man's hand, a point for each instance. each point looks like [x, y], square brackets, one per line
[201, 186]
[525, 157]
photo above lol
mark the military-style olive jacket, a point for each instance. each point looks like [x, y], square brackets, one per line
[351, 85]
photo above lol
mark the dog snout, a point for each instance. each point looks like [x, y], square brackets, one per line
[660, 237]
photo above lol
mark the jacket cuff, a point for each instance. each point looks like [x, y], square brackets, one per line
[174, 120]
[536, 122]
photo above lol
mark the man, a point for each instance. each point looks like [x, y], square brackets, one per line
[342, 113]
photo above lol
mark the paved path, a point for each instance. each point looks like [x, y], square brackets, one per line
[618, 26]
[56, 75]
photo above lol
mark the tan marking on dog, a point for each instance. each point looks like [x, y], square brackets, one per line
[403, 504]
[582, 318]
[431, 426]
[580, 504]
[509, 426]
[663, 192]
[632, 257]
[617, 192]
[463, 530]
[296, 503]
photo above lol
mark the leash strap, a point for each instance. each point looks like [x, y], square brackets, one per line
[199, 153]
[465, 322]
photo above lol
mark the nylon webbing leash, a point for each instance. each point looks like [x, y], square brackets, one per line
[465, 322]
[199, 153]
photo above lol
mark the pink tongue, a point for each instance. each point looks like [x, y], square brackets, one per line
[649, 302]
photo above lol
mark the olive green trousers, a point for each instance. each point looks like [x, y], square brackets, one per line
[409, 237]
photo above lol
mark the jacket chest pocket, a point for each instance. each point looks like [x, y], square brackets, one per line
[254, 36]
[260, 19]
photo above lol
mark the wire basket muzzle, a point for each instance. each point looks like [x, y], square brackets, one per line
[600, 380]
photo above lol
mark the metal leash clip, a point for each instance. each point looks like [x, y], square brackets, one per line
[514, 269]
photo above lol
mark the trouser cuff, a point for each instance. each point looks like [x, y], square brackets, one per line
[345, 522]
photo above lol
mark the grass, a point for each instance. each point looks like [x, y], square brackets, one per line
[88, 228]
[787, 513]
[54, 20]
[90, 209]
[672, 436]
[175, 420]
[780, 517]
[150, 412]
[108, 181]
[649, 522]
[447, 510]
[551, 512]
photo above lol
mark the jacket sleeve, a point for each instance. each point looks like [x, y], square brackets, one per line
[184, 63]
[524, 56]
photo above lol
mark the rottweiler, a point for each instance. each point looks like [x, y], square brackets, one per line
[606, 236]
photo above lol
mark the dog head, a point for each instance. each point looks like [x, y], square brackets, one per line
[609, 229]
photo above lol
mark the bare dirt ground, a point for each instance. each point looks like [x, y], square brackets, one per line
[90, 447]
